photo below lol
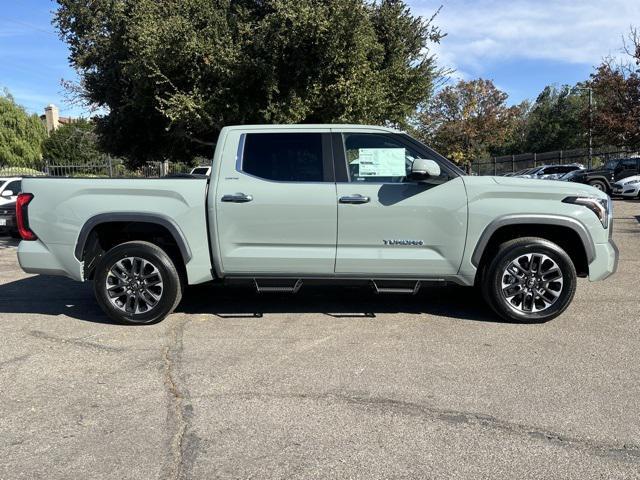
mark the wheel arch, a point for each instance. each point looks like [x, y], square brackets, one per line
[567, 232]
[87, 243]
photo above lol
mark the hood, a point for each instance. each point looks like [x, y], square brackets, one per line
[624, 181]
[597, 171]
[550, 186]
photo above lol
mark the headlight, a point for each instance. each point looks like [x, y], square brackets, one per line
[600, 206]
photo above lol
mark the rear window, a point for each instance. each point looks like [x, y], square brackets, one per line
[284, 157]
[200, 171]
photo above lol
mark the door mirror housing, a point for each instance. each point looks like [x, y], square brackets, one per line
[423, 169]
[7, 193]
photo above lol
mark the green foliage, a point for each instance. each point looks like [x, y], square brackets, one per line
[616, 87]
[171, 74]
[471, 120]
[558, 119]
[20, 172]
[21, 134]
[75, 143]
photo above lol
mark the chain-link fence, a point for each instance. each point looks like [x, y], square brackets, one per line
[108, 167]
[515, 163]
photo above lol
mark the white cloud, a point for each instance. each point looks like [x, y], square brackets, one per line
[570, 31]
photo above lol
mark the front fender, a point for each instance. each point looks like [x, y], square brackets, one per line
[534, 219]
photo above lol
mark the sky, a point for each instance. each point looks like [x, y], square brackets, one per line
[522, 45]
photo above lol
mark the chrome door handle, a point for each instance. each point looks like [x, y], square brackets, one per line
[354, 199]
[237, 198]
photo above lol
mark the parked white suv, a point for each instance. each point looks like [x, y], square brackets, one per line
[9, 189]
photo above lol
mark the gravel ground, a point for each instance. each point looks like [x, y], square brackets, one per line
[330, 383]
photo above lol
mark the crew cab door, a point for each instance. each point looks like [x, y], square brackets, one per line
[389, 225]
[275, 203]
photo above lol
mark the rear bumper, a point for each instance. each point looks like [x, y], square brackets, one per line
[35, 257]
[605, 263]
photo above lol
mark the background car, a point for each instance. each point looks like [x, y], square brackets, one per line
[550, 172]
[201, 170]
[518, 173]
[9, 189]
[8, 225]
[628, 188]
[605, 176]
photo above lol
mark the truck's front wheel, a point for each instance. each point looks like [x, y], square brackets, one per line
[137, 283]
[529, 280]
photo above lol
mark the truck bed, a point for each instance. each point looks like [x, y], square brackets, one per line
[62, 207]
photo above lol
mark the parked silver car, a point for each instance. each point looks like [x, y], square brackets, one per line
[550, 172]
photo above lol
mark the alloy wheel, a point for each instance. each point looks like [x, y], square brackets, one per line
[134, 285]
[532, 283]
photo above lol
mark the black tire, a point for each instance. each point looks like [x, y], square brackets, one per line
[600, 185]
[15, 234]
[163, 271]
[515, 310]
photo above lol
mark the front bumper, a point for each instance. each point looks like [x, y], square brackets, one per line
[630, 192]
[605, 263]
[625, 190]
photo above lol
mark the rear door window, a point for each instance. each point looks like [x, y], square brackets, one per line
[284, 157]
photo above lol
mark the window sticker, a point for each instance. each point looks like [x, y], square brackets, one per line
[381, 162]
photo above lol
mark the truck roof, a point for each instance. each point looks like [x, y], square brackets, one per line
[312, 126]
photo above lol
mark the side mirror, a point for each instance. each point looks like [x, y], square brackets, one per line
[425, 168]
[7, 193]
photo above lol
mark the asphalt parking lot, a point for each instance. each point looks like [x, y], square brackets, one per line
[331, 383]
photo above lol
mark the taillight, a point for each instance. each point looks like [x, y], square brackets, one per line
[22, 216]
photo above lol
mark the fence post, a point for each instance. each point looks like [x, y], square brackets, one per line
[513, 164]
[535, 160]
[110, 167]
[495, 167]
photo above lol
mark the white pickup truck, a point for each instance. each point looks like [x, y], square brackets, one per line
[336, 203]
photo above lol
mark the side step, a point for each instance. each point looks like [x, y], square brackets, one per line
[277, 286]
[410, 288]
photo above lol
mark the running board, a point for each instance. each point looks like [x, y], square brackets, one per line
[277, 287]
[397, 289]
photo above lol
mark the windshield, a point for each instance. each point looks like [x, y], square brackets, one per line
[610, 165]
[571, 174]
[200, 171]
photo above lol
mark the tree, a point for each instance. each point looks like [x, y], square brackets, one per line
[21, 134]
[75, 143]
[616, 88]
[558, 119]
[471, 120]
[171, 74]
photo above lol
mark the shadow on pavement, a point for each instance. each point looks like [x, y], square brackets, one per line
[60, 296]
[337, 302]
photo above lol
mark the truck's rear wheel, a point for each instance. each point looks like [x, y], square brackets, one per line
[137, 283]
[530, 280]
